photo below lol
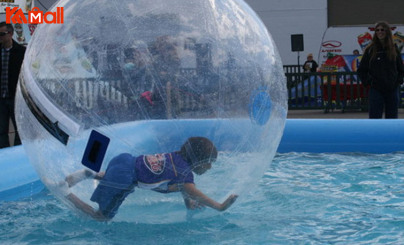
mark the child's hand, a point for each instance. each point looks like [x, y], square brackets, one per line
[228, 202]
[190, 192]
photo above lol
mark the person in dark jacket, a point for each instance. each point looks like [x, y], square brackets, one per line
[310, 65]
[12, 55]
[382, 69]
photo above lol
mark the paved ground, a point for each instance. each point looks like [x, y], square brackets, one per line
[336, 114]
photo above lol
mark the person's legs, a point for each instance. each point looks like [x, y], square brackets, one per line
[376, 104]
[85, 208]
[4, 123]
[79, 176]
[73, 179]
[391, 104]
[17, 140]
[117, 183]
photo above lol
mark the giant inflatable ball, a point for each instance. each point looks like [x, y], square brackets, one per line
[140, 77]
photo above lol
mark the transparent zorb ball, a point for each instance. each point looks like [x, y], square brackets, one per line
[144, 76]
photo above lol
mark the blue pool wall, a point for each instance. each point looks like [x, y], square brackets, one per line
[19, 179]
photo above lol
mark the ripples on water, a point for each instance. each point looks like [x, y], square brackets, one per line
[301, 199]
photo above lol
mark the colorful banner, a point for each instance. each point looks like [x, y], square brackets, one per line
[342, 63]
[23, 33]
[339, 44]
[25, 5]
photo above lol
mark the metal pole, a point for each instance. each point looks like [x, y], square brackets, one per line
[298, 61]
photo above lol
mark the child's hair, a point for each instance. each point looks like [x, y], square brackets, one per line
[196, 149]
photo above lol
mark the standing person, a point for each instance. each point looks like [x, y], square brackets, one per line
[382, 68]
[12, 55]
[310, 65]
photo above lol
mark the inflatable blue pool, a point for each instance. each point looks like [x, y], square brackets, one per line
[19, 179]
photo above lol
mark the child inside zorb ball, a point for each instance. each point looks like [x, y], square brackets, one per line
[165, 173]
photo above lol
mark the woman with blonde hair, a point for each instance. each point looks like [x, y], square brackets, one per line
[382, 69]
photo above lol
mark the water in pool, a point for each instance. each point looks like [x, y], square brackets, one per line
[301, 199]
